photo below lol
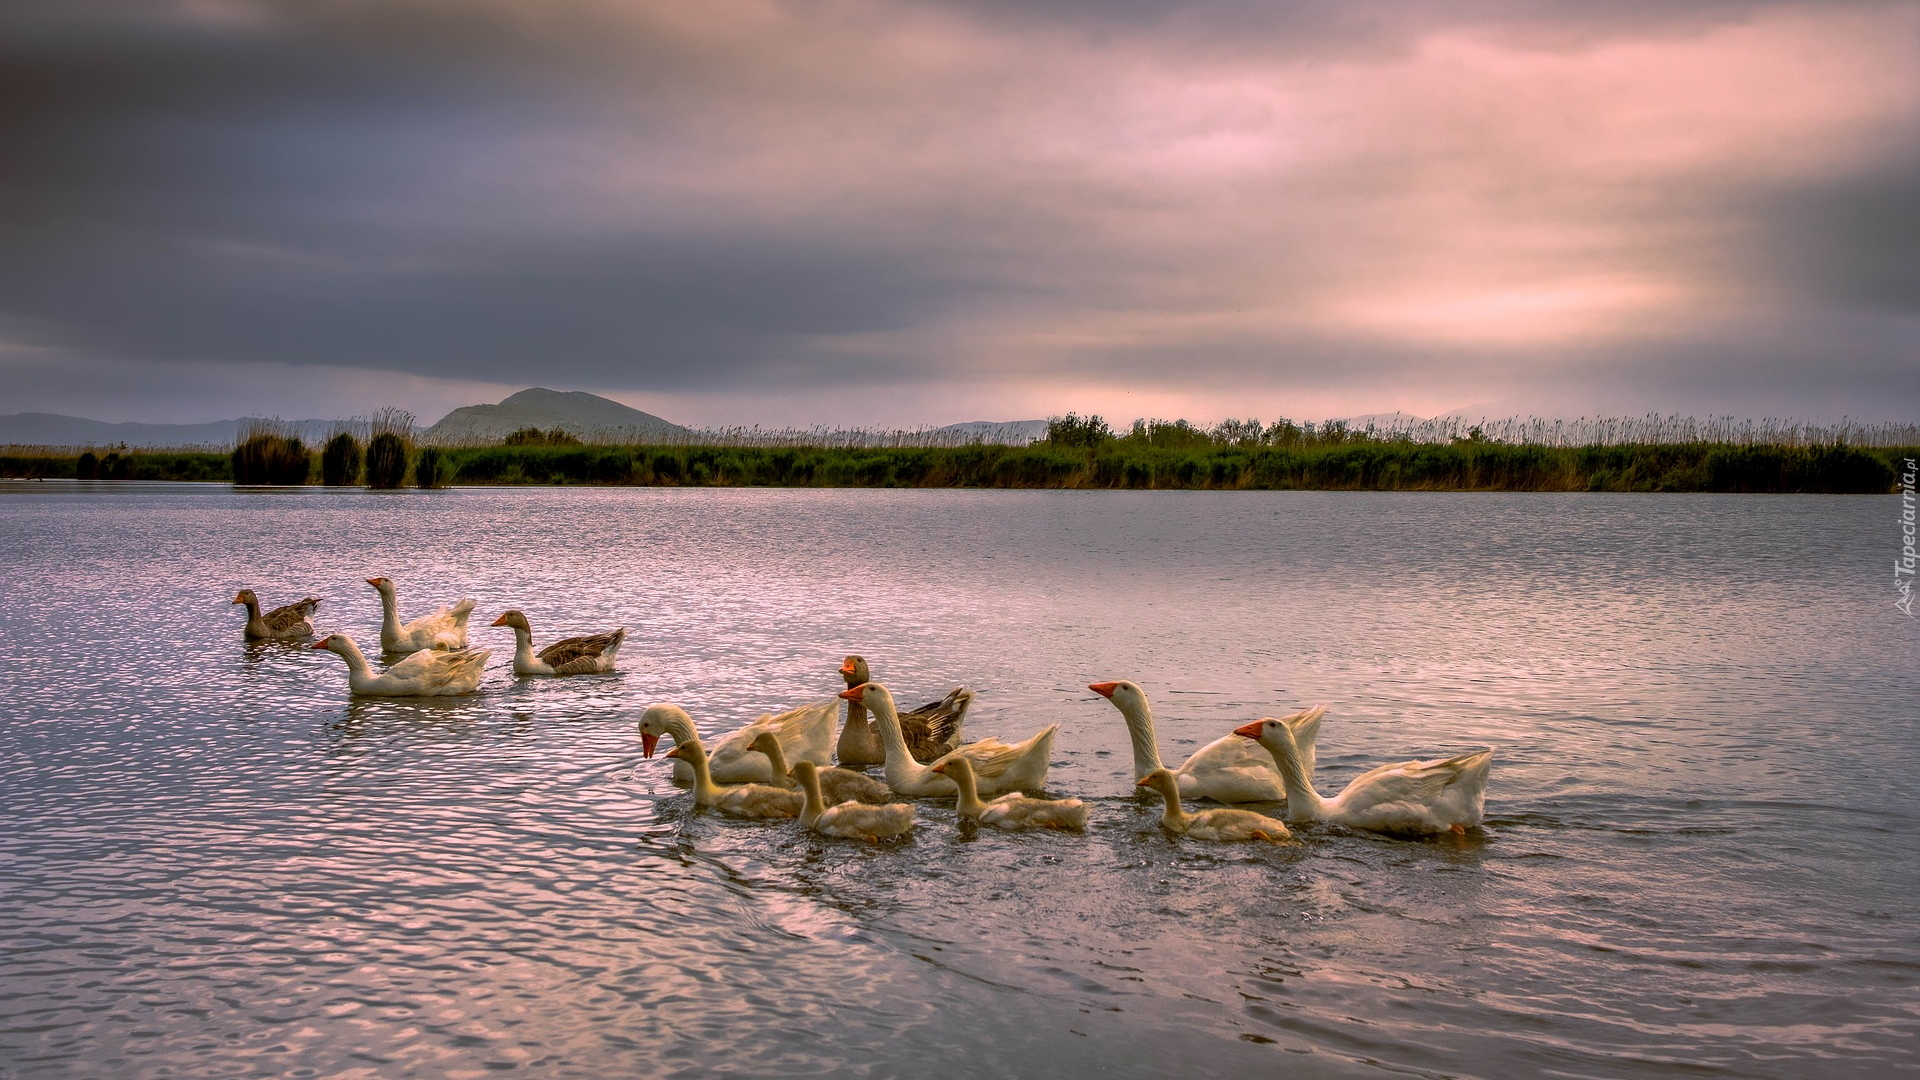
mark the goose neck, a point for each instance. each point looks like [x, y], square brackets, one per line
[523, 647]
[814, 804]
[777, 758]
[1146, 749]
[705, 792]
[357, 666]
[888, 721]
[969, 804]
[1303, 802]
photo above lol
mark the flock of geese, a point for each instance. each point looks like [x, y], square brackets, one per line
[779, 766]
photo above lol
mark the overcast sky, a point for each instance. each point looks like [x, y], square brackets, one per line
[891, 213]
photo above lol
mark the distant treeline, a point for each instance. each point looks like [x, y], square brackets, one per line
[1080, 453]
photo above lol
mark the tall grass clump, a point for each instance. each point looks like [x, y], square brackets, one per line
[269, 453]
[432, 469]
[390, 450]
[340, 461]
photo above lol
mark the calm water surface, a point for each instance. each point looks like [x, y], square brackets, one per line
[1700, 857]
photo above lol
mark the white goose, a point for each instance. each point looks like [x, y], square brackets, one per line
[851, 820]
[997, 766]
[805, 733]
[1225, 770]
[444, 629]
[593, 654]
[1420, 797]
[1224, 823]
[738, 800]
[836, 785]
[1012, 810]
[426, 673]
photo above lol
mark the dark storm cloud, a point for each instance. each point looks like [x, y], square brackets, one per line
[1121, 194]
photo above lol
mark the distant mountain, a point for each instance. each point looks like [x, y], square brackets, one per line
[581, 414]
[53, 429]
[1010, 432]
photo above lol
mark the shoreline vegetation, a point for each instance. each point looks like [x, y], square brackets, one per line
[1678, 454]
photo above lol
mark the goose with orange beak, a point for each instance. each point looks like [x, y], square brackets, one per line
[1226, 770]
[805, 734]
[444, 629]
[997, 766]
[1412, 797]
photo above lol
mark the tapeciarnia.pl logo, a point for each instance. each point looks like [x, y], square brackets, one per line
[1903, 566]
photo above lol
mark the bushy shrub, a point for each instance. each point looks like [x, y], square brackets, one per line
[388, 456]
[340, 461]
[267, 458]
[88, 468]
[432, 469]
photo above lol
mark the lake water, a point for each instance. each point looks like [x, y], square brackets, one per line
[1700, 855]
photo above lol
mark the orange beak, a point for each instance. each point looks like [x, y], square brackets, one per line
[648, 742]
[1251, 731]
[322, 643]
[852, 693]
[846, 668]
[673, 753]
[941, 768]
[374, 581]
[501, 621]
[237, 600]
[1143, 781]
[1104, 689]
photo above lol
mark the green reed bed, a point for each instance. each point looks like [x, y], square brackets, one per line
[1355, 464]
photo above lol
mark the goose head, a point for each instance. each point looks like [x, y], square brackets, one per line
[513, 617]
[870, 694]
[687, 751]
[245, 596]
[1261, 731]
[1162, 781]
[335, 643]
[1126, 696]
[383, 584]
[661, 720]
[854, 670]
[956, 767]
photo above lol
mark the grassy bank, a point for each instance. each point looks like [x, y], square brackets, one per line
[1352, 465]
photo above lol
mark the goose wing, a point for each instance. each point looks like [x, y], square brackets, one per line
[448, 668]
[1414, 788]
[286, 618]
[934, 728]
[588, 647]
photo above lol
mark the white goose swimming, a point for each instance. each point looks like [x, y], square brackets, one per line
[738, 800]
[805, 733]
[444, 629]
[1419, 797]
[851, 820]
[426, 673]
[1225, 823]
[1225, 770]
[997, 766]
[592, 654]
[1012, 810]
[836, 785]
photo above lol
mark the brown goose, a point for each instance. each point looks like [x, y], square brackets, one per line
[290, 623]
[590, 655]
[932, 730]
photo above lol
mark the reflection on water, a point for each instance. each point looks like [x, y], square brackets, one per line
[1699, 855]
